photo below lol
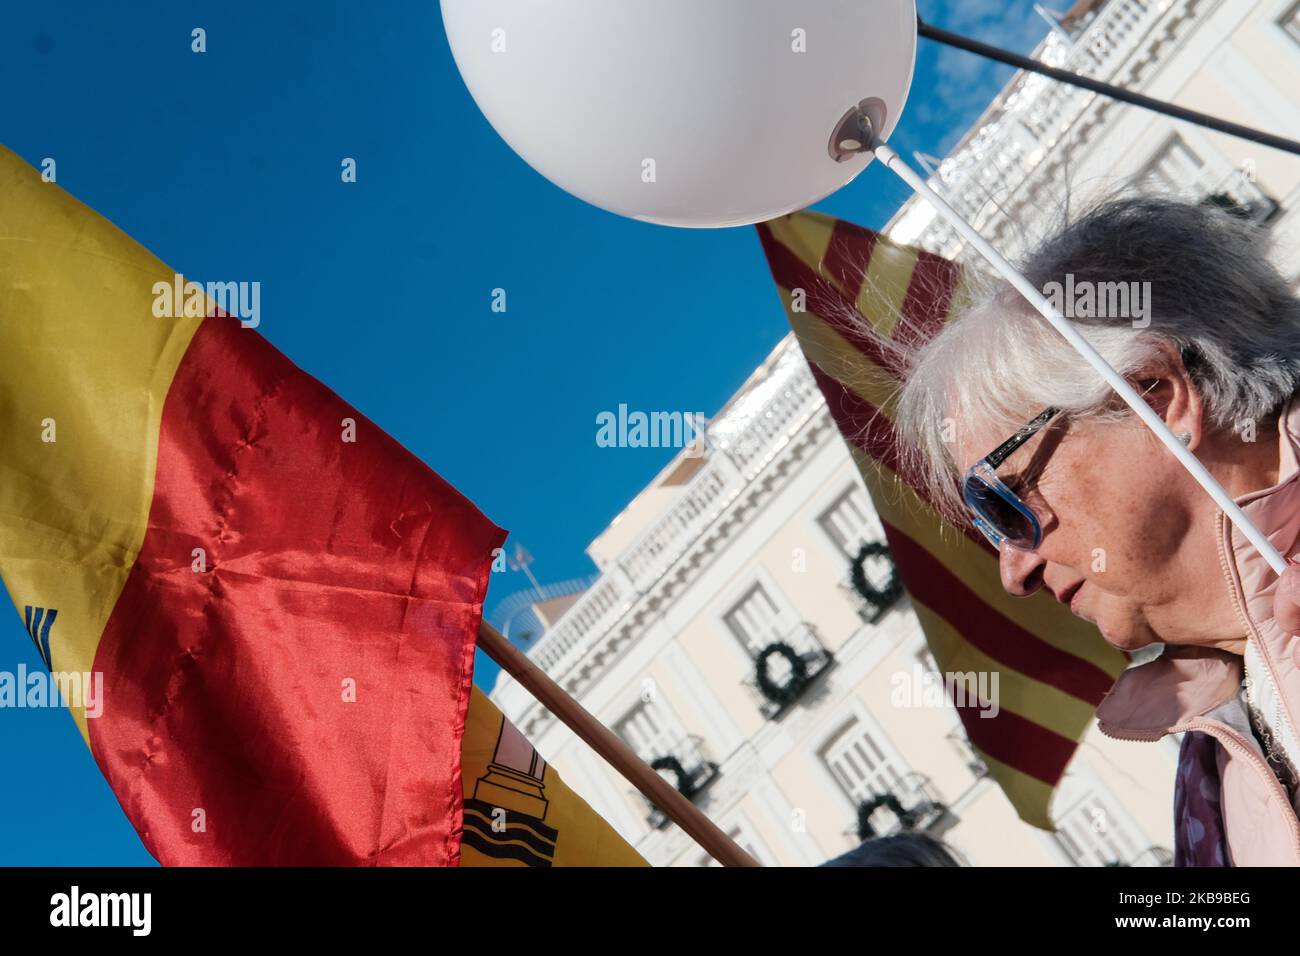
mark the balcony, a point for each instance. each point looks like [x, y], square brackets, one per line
[1238, 193]
[879, 576]
[913, 807]
[685, 767]
[778, 682]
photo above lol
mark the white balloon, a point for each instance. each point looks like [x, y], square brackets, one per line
[686, 112]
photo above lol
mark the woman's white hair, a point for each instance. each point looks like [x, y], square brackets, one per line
[1213, 295]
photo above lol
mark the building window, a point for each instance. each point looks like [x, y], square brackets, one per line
[659, 740]
[1175, 170]
[787, 653]
[863, 763]
[756, 620]
[1290, 22]
[1094, 831]
[649, 731]
[851, 521]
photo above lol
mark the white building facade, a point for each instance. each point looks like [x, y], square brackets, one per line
[747, 544]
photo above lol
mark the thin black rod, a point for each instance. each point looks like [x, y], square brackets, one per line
[1105, 89]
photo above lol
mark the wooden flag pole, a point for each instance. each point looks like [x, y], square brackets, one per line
[606, 743]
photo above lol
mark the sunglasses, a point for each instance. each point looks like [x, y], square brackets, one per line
[995, 509]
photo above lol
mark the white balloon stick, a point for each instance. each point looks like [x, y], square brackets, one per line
[1116, 381]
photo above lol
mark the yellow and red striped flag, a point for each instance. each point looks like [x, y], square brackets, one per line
[282, 603]
[1053, 667]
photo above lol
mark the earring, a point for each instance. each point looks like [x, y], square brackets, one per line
[1185, 437]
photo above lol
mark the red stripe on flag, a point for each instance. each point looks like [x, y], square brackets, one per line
[848, 255]
[327, 562]
[1018, 742]
[929, 297]
[933, 584]
[823, 298]
[862, 424]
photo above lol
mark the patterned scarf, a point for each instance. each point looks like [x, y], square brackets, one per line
[1199, 839]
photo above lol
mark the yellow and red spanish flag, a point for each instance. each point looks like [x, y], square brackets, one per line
[1053, 667]
[283, 602]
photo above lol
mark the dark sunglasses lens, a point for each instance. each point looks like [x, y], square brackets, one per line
[1005, 518]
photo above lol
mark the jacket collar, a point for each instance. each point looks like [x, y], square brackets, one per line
[1157, 698]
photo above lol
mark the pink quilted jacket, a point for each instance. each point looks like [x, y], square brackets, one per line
[1177, 691]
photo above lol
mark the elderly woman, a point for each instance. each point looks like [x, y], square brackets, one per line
[1079, 497]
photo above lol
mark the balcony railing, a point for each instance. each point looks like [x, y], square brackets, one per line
[1239, 188]
[784, 686]
[1025, 126]
[683, 765]
[921, 810]
[881, 575]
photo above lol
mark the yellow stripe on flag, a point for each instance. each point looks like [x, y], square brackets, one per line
[884, 290]
[806, 234]
[1018, 693]
[1030, 796]
[826, 348]
[97, 366]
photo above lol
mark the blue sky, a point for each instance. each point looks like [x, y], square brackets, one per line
[226, 165]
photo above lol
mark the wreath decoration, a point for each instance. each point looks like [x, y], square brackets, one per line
[787, 693]
[865, 809]
[674, 766]
[882, 597]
